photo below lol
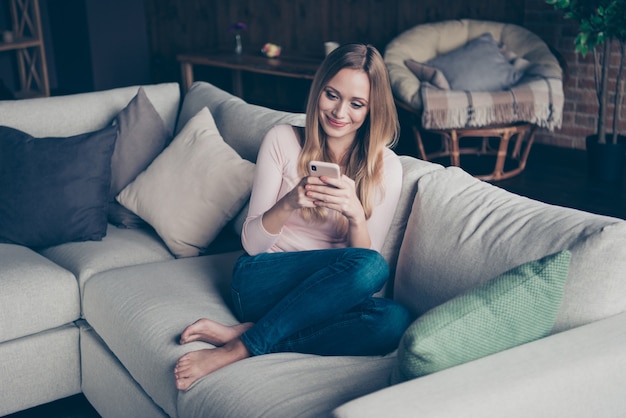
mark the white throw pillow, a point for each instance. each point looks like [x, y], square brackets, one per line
[192, 189]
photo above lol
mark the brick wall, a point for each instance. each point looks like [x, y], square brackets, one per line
[580, 110]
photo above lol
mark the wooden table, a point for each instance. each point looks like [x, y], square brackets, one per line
[284, 66]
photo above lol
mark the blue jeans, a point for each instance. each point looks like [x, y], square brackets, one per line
[317, 302]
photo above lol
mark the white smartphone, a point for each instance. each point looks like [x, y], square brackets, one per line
[322, 168]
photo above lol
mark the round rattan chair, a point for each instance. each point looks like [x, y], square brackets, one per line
[498, 123]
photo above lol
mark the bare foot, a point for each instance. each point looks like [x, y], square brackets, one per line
[213, 332]
[196, 364]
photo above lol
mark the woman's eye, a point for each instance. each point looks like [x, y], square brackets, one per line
[331, 95]
[356, 105]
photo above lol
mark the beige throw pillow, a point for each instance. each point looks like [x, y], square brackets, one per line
[192, 189]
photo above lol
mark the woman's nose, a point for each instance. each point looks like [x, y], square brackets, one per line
[339, 109]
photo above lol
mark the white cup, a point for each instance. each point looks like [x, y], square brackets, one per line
[330, 46]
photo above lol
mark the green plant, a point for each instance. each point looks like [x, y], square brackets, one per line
[600, 23]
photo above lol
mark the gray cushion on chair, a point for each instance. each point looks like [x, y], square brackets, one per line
[477, 66]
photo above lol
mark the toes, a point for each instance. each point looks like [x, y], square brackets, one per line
[182, 384]
[184, 378]
[183, 362]
[190, 333]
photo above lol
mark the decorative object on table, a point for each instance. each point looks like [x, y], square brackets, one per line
[330, 46]
[478, 98]
[602, 23]
[271, 50]
[237, 28]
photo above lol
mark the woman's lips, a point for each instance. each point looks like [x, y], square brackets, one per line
[335, 123]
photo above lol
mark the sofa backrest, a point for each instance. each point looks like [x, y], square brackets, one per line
[242, 125]
[412, 170]
[86, 112]
[463, 232]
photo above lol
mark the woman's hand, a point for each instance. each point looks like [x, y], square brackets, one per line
[277, 215]
[340, 195]
[336, 194]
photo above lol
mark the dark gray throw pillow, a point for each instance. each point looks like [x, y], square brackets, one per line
[142, 135]
[479, 65]
[54, 190]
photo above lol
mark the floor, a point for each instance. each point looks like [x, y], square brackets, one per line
[559, 176]
[73, 407]
[553, 175]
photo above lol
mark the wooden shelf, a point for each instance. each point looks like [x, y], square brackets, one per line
[28, 47]
[19, 44]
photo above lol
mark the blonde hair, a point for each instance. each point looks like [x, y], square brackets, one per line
[364, 161]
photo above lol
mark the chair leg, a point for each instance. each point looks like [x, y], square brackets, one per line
[498, 171]
[529, 142]
[455, 152]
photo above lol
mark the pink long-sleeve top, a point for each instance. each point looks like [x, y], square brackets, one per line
[277, 174]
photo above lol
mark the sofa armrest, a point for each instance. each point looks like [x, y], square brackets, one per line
[577, 373]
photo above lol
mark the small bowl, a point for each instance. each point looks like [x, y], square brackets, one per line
[271, 50]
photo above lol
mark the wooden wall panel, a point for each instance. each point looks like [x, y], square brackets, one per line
[299, 26]
[303, 25]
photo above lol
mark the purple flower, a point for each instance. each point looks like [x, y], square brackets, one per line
[238, 27]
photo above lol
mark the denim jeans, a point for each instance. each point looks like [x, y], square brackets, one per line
[317, 302]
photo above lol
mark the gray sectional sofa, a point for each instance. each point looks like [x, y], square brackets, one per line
[103, 317]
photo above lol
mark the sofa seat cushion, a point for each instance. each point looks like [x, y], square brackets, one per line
[36, 294]
[140, 311]
[575, 374]
[284, 385]
[121, 247]
[39, 369]
[463, 232]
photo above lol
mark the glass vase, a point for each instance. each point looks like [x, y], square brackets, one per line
[238, 47]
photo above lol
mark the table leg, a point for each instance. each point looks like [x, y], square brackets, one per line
[186, 70]
[237, 83]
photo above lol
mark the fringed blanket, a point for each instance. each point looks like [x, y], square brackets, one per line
[538, 101]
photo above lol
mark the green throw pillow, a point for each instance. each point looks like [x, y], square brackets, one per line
[514, 308]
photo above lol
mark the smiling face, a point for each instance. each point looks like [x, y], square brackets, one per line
[344, 104]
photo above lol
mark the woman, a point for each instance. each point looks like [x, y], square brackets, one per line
[312, 244]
